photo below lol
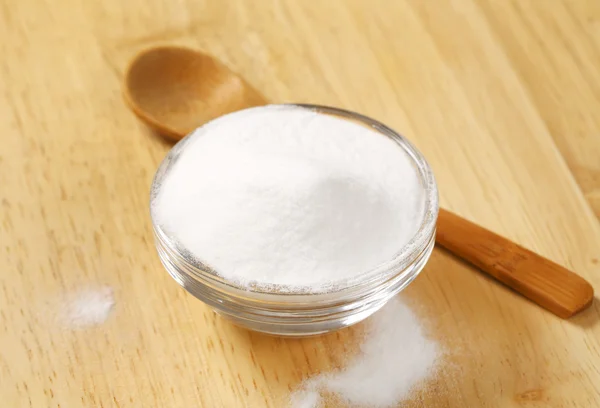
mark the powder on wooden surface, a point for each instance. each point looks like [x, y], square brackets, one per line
[88, 307]
[395, 357]
[283, 195]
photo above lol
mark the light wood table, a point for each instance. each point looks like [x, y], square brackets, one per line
[503, 98]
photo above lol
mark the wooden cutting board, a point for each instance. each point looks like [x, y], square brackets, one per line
[503, 98]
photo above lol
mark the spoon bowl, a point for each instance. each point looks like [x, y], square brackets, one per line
[175, 90]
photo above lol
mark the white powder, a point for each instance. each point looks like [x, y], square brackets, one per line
[395, 357]
[88, 307]
[285, 196]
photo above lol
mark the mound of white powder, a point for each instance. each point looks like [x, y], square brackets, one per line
[394, 358]
[282, 195]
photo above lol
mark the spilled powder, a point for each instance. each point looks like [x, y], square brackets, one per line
[88, 307]
[394, 358]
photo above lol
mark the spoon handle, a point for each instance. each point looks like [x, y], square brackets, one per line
[546, 283]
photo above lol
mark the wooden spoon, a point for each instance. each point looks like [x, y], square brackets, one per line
[175, 90]
[546, 283]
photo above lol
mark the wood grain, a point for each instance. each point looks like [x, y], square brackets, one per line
[501, 97]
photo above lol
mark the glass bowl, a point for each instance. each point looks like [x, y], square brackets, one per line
[302, 314]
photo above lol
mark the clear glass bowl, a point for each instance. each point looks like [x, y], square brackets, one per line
[303, 314]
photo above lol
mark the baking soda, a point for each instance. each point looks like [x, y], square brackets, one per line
[283, 196]
[88, 307]
[395, 357]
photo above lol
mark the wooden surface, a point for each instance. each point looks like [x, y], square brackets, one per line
[503, 98]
